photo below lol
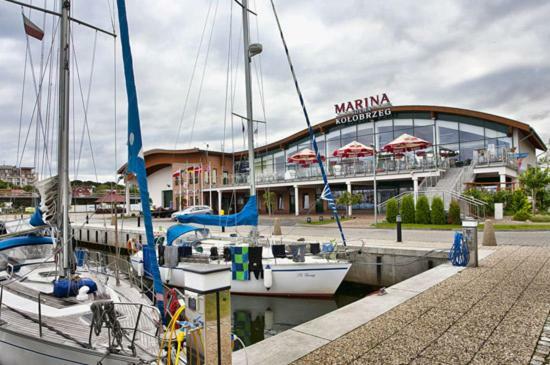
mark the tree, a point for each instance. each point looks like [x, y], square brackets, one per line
[422, 211]
[534, 180]
[454, 213]
[4, 185]
[392, 210]
[348, 199]
[438, 211]
[269, 201]
[407, 209]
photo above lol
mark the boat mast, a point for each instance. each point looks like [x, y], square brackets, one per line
[63, 201]
[248, 88]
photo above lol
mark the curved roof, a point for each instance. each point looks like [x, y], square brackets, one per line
[434, 110]
[160, 158]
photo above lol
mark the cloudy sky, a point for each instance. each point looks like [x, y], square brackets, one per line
[490, 55]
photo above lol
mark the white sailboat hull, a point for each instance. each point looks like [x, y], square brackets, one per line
[314, 278]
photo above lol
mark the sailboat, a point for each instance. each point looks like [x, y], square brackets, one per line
[267, 269]
[55, 308]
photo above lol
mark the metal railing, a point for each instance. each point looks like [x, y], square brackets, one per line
[338, 168]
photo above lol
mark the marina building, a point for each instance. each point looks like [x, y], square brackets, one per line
[18, 176]
[467, 148]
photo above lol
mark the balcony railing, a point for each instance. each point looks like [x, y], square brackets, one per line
[337, 168]
[500, 158]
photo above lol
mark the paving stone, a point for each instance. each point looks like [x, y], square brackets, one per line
[453, 349]
[396, 350]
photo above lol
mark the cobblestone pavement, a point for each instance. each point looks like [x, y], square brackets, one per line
[542, 351]
[493, 314]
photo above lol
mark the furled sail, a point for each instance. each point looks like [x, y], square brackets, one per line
[136, 161]
[248, 216]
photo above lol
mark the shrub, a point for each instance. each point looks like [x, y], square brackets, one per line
[540, 218]
[518, 201]
[422, 212]
[391, 210]
[407, 209]
[438, 211]
[454, 213]
[522, 215]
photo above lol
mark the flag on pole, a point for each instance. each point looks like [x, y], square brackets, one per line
[32, 29]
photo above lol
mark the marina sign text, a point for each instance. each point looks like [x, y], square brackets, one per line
[359, 110]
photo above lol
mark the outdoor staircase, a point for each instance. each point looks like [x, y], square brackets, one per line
[449, 185]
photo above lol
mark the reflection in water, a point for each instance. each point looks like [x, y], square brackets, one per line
[256, 318]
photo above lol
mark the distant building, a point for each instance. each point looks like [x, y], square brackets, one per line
[18, 176]
[468, 148]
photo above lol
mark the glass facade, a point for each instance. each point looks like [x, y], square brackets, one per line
[461, 136]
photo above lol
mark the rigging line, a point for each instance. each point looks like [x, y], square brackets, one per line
[262, 90]
[115, 95]
[85, 105]
[36, 101]
[21, 106]
[186, 100]
[227, 77]
[47, 113]
[203, 72]
[330, 198]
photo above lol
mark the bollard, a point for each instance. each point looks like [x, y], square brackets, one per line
[87, 219]
[222, 212]
[277, 227]
[139, 220]
[208, 306]
[398, 220]
[469, 231]
[489, 238]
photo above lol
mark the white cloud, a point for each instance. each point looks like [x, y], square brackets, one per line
[489, 56]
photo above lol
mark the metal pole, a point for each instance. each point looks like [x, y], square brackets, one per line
[398, 220]
[63, 139]
[249, 115]
[375, 190]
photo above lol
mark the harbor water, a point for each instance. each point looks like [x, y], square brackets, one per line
[257, 318]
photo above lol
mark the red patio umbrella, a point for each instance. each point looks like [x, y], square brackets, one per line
[304, 157]
[406, 143]
[354, 149]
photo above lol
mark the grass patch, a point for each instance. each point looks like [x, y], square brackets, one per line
[325, 221]
[451, 227]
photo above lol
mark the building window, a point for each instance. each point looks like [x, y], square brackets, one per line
[280, 202]
[306, 201]
[214, 176]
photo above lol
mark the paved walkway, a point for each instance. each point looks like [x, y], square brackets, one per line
[494, 314]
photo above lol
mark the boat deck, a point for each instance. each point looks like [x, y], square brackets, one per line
[134, 313]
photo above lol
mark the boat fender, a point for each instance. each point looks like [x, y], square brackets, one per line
[83, 293]
[268, 277]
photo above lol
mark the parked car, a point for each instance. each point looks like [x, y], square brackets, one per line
[195, 209]
[161, 212]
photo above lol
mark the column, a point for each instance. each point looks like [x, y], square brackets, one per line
[502, 181]
[415, 188]
[348, 184]
[296, 201]
[127, 193]
[219, 200]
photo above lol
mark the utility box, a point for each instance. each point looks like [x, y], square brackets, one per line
[499, 211]
[208, 302]
[469, 234]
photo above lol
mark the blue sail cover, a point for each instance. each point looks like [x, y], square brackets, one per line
[248, 216]
[36, 218]
[136, 160]
[178, 230]
[29, 240]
